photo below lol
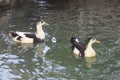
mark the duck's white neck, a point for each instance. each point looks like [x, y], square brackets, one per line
[89, 52]
[89, 45]
[40, 32]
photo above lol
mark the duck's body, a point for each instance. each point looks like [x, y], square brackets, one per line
[81, 49]
[28, 37]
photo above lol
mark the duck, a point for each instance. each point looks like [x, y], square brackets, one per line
[81, 49]
[28, 37]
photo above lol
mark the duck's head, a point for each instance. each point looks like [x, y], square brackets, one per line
[73, 39]
[92, 40]
[41, 23]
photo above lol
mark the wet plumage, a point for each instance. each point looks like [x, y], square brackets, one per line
[28, 37]
[81, 49]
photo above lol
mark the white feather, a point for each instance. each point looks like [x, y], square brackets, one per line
[40, 33]
[26, 40]
[89, 52]
[15, 39]
[76, 40]
[76, 51]
[22, 34]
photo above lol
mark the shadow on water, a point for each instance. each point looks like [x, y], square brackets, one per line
[51, 59]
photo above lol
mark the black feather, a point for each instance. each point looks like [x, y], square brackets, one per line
[36, 39]
[80, 46]
[72, 39]
[30, 35]
[13, 34]
[19, 38]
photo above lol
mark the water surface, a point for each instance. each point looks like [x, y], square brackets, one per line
[53, 61]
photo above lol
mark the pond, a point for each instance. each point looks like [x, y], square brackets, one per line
[53, 61]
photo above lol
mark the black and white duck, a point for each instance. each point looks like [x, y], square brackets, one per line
[28, 37]
[81, 49]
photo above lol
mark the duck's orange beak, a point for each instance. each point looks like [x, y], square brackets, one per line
[97, 41]
[46, 23]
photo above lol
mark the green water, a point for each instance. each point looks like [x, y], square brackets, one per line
[53, 61]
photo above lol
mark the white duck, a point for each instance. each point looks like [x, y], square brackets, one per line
[28, 37]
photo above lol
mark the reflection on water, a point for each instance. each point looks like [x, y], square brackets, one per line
[89, 61]
[50, 59]
[15, 64]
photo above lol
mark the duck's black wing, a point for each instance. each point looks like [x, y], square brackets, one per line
[32, 35]
[80, 46]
